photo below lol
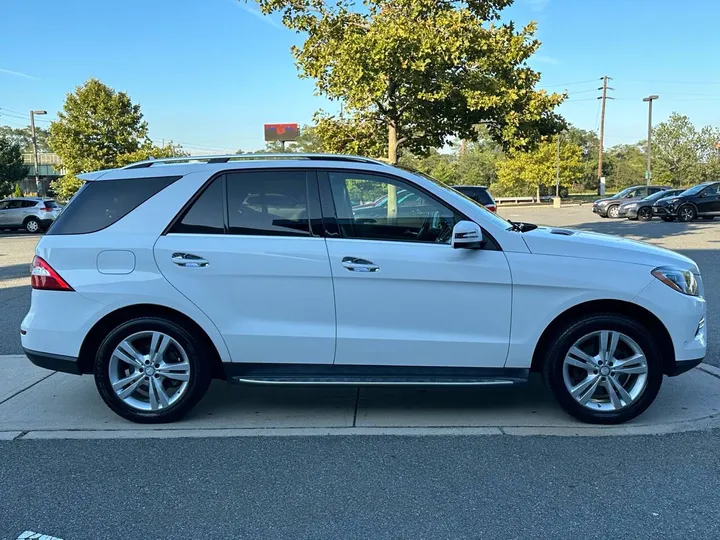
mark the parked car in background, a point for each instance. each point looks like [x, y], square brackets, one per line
[183, 273]
[642, 209]
[479, 194]
[702, 200]
[610, 206]
[34, 214]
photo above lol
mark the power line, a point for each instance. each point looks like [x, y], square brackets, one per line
[570, 83]
[672, 82]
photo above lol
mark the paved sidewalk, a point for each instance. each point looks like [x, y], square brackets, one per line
[35, 403]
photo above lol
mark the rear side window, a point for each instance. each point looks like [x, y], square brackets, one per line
[205, 216]
[270, 203]
[100, 204]
[29, 204]
[50, 204]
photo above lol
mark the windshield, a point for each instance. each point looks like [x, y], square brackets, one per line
[491, 215]
[695, 189]
[658, 195]
[623, 193]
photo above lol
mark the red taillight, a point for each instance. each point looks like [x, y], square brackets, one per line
[491, 207]
[46, 209]
[44, 278]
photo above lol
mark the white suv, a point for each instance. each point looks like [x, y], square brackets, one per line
[163, 275]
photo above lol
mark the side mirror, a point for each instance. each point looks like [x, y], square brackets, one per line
[467, 235]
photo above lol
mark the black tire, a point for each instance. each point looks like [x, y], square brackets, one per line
[686, 213]
[198, 383]
[668, 219]
[32, 226]
[613, 211]
[552, 369]
[645, 214]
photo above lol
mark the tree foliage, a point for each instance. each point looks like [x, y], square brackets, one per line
[12, 168]
[96, 127]
[424, 70]
[23, 136]
[534, 173]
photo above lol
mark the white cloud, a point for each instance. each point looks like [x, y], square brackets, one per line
[264, 18]
[18, 74]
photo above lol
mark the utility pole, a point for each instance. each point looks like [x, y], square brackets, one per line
[35, 152]
[604, 97]
[648, 173]
[557, 168]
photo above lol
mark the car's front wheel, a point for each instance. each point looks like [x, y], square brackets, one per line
[686, 213]
[150, 370]
[614, 211]
[32, 225]
[604, 369]
[645, 214]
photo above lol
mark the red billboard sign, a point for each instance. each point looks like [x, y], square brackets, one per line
[281, 132]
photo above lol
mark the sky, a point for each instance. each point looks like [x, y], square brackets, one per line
[209, 73]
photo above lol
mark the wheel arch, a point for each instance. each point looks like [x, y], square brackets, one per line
[616, 307]
[100, 329]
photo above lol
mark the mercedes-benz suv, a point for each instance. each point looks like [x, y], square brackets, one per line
[162, 275]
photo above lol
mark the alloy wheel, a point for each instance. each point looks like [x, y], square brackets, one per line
[32, 226]
[605, 371]
[149, 370]
[613, 211]
[645, 214]
[686, 214]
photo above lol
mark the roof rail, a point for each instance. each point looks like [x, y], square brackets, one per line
[248, 157]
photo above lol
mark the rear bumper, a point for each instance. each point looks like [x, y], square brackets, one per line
[55, 362]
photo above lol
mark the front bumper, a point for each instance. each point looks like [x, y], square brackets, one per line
[630, 213]
[600, 210]
[663, 211]
[681, 366]
[55, 362]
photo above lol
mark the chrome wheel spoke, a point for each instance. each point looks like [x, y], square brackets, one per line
[128, 354]
[152, 394]
[123, 391]
[612, 394]
[580, 359]
[158, 346]
[162, 397]
[585, 389]
[635, 365]
[179, 371]
[620, 389]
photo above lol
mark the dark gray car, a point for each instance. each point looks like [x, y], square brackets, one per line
[610, 206]
[34, 214]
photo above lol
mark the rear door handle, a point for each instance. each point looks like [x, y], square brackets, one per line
[189, 260]
[355, 264]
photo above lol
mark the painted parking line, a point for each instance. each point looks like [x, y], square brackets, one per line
[30, 535]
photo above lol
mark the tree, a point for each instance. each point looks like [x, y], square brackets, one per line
[12, 167]
[424, 70]
[589, 142]
[150, 151]
[681, 154]
[528, 173]
[96, 127]
[625, 164]
[23, 136]
[360, 134]
[17, 192]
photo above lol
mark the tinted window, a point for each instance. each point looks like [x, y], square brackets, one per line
[50, 204]
[3, 205]
[415, 216]
[268, 203]
[29, 204]
[100, 204]
[711, 191]
[205, 216]
[14, 204]
[477, 194]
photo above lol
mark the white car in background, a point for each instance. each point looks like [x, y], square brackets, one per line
[164, 274]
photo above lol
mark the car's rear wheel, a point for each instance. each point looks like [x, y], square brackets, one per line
[32, 225]
[613, 211]
[150, 370]
[668, 219]
[604, 369]
[686, 213]
[645, 214]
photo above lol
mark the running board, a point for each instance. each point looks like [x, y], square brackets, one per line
[341, 375]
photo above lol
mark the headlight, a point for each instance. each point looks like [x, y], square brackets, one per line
[671, 202]
[681, 280]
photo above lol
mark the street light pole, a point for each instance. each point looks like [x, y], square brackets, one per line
[649, 99]
[557, 167]
[35, 152]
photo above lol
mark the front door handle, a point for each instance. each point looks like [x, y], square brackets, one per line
[355, 264]
[189, 260]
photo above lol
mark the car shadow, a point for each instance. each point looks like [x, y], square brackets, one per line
[14, 271]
